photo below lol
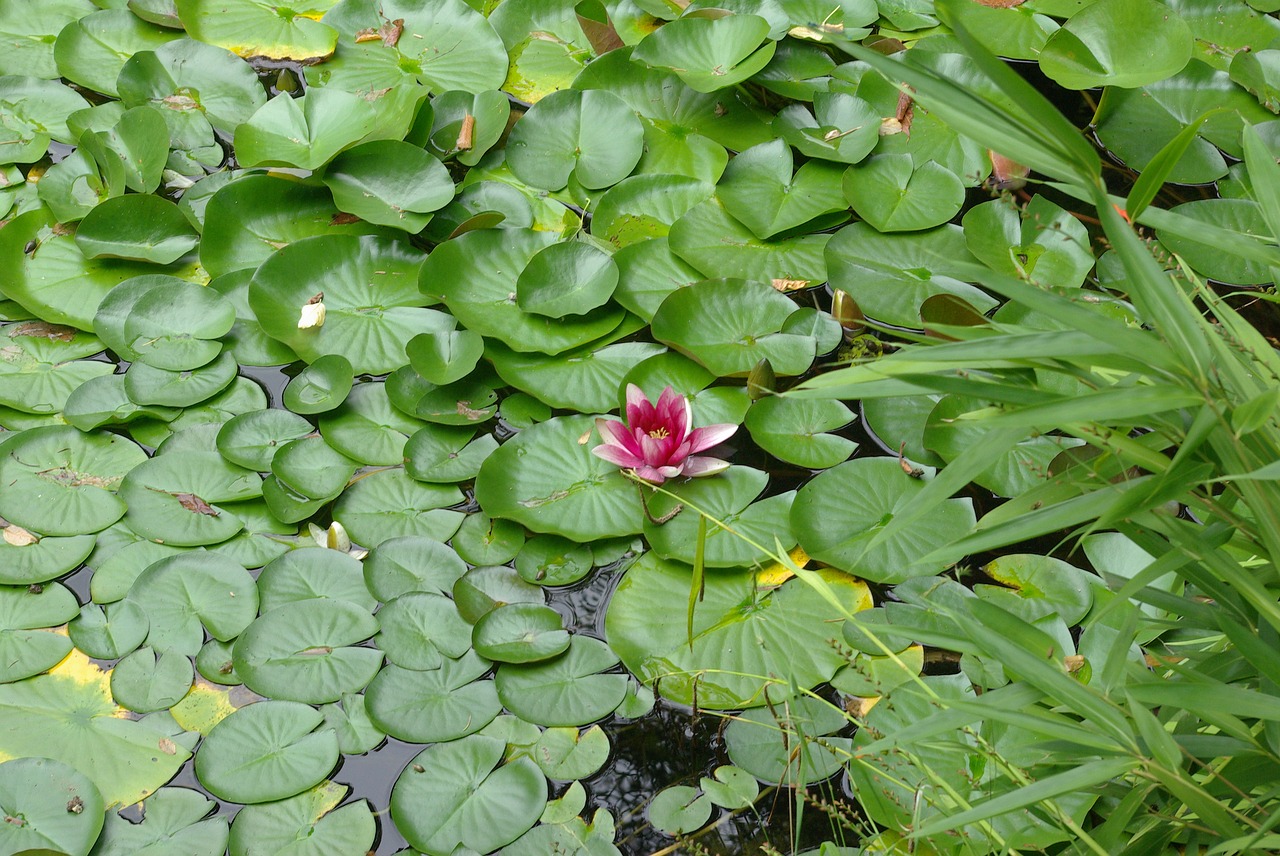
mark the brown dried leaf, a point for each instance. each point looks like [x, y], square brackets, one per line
[1000, 4]
[43, 330]
[195, 504]
[466, 134]
[785, 285]
[905, 113]
[16, 536]
[167, 746]
[343, 219]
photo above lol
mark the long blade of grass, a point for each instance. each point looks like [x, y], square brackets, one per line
[1161, 166]
[696, 579]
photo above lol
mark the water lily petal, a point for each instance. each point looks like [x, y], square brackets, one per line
[710, 435]
[651, 475]
[696, 467]
[617, 455]
[616, 434]
[639, 408]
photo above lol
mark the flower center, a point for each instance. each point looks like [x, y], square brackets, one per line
[659, 434]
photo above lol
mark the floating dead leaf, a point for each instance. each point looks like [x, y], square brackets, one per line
[465, 409]
[195, 504]
[75, 805]
[906, 465]
[70, 478]
[389, 33]
[43, 330]
[343, 219]
[1073, 662]
[858, 708]
[600, 33]
[317, 651]
[180, 102]
[906, 112]
[16, 536]
[1000, 4]
[466, 133]
[62, 229]
[785, 285]
[167, 746]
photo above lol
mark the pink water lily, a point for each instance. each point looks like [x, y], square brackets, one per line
[658, 441]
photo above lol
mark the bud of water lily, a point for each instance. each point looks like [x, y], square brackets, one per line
[312, 313]
[762, 380]
[335, 538]
[847, 313]
[1006, 173]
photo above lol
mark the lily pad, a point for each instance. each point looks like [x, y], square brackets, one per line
[836, 516]
[367, 287]
[321, 386]
[742, 633]
[842, 127]
[26, 646]
[146, 681]
[796, 430]
[398, 566]
[709, 53]
[791, 742]
[585, 379]
[759, 190]
[389, 182]
[366, 428]
[520, 633]
[175, 499]
[569, 278]
[186, 594]
[176, 327]
[546, 480]
[1091, 48]
[569, 690]
[390, 504]
[309, 574]
[894, 194]
[306, 651]
[437, 705]
[252, 439]
[708, 238]
[50, 808]
[466, 795]
[310, 823]
[266, 751]
[109, 632]
[590, 135]
[26, 560]
[679, 809]
[254, 28]
[729, 325]
[482, 590]
[419, 629]
[172, 817]
[137, 226]
[60, 481]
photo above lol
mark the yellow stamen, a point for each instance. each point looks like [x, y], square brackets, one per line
[658, 434]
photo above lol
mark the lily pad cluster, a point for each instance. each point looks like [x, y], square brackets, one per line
[465, 229]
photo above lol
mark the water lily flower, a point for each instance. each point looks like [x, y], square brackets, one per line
[658, 441]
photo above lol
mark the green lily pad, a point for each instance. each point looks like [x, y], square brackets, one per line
[251, 439]
[186, 77]
[389, 182]
[484, 589]
[1052, 585]
[482, 540]
[589, 135]
[187, 594]
[371, 303]
[146, 681]
[28, 36]
[520, 633]
[790, 743]
[586, 379]
[569, 690]
[708, 238]
[489, 112]
[311, 468]
[176, 327]
[549, 560]
[256, 28]
[308, 574]
[366, 428]
[139, 141]
[837, 514]
[356, 732]
[645, 206]
[445, 357]
[568, 278]
[173, 499]
[34, 112]
[55, 281]
[27, 560]
[1238, 215]
[109, 632]
[465, 795]
[842, 127]
[148, 385]
[426, 46]
[398, 566]
[310, 824]
[419, 629]
[40, 365]
[306, 651]
[729, 325]
[114, 575]
[306, 132]
[437, 705]
[1092, 48]
[1045, 243]
[247, 220]
[91, 50]
[60, 481]
[246, 340]
[567, 753]
[171, 817]
[138, 227]
[390, 504]
[68, 716]
[890, 276]
[741, 632]
[760, 191]
[48, 804]
[102, 400]
[546, 480]
[266, 751]
[894, 194]
[475, 276]
[709, 53]
[647, 272]
[797, 71]
[27, 647]
[729, 498]
[679, 809]
[732, 788]
[321, 386]
[795, 430]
